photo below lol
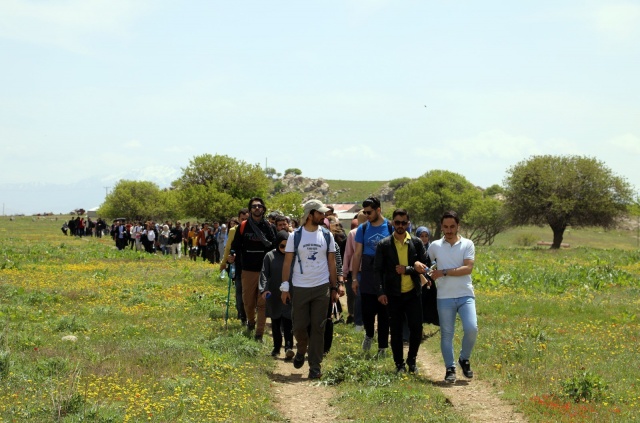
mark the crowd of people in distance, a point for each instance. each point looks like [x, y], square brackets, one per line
[294, 272]
[81, 227]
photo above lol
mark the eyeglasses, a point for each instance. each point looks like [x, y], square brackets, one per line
[257, 206]
[367, 212]
[401, 222]
[282, 246]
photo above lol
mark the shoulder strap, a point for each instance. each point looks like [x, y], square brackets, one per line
[297, 236]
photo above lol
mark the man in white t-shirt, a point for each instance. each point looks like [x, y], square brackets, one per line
[313, 284]
[455, 256]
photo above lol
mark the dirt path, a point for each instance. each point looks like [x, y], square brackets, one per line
[311, 399]
[472, 398]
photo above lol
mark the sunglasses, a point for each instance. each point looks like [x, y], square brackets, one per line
[257, 206]
[367, 212]
[282, 246]
[401, 222]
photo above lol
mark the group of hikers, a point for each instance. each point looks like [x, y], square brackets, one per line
[294, 273]
[81, 227]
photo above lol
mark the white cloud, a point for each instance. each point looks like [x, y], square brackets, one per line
[619, 21]
[66, 23]
[362, 151]
[627, 144]
[133, 144]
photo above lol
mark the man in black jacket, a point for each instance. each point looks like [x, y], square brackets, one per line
[252, 241]
[399, 287]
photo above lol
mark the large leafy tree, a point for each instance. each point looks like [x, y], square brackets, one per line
[216, 187]
[136, 200]
[565, 191]
[486, 219]
[289, 203]
[235, 177]
[437, 191]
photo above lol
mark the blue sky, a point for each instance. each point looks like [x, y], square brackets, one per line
[96, 91]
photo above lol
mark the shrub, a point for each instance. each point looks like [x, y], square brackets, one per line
[526, 240]
[4, 364]
[584, 387]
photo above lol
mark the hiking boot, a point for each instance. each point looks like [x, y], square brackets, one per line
[366, 344]
[450, 376]
[258, 338]
[288, 354]
[251, 326]
[466, 368]
[382, 353]
[413, 369]
[315, 374]
[401, 369]
[275, 352]
[298, 360]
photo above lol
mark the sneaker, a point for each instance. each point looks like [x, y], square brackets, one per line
[413, 369]
[315, 374]
[298, 360]
[288, 354]
[466, 368]
[366, 344]
[382, 353]
[275, 352]
[258, 338]
[401, 369]
[349, 320]
[451, 375]
[251, 326]
[359, 328]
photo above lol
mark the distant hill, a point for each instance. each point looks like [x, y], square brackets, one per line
[353, 191]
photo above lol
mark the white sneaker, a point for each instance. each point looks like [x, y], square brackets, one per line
[366, 344]
[359, 328]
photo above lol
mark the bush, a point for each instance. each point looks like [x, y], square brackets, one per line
[526, 240]
[4, 364]
[584, 387]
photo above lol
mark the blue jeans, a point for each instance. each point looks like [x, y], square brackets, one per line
[447, 310]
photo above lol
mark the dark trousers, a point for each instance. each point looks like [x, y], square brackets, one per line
[202, 249]
[239, 303]
[279, 327]
[371, 308]
[406, 307]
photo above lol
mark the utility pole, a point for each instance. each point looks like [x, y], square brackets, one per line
[106, 191]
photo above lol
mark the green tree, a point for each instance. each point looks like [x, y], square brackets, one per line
[209, 203]
[289, 203]
[565, 190]
[138, 200]
[216, 187]
[486, 219]
[292, 171]
[228, 175]
[429, 196]
[399, 182]
[493, 190]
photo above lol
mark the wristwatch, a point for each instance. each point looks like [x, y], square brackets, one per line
[444, 272]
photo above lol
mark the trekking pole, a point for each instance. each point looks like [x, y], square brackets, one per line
[226, 313]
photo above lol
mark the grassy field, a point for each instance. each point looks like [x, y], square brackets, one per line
[353, 191]
[558, 335]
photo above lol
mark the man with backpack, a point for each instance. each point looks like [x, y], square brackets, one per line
[368, 236]
[310, 282]
[252, 241]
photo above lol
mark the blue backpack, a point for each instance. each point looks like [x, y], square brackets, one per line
[297, 236]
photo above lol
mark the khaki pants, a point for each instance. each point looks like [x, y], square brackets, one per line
[309, 312]
[253, 301]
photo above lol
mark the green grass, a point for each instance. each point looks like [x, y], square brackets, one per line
[583, 237]
[353, 191]
[558, 335]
